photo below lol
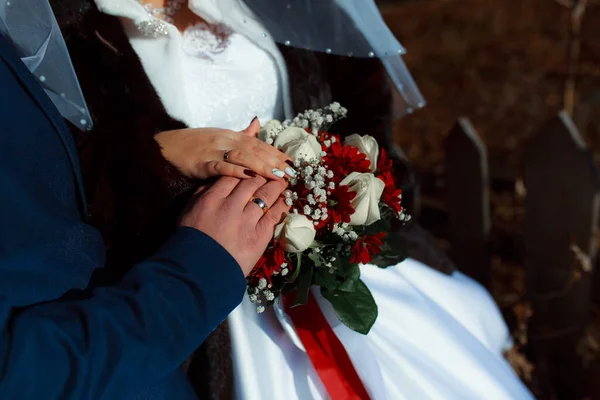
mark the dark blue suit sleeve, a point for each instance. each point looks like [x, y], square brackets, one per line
[144, 327]
[116, 340]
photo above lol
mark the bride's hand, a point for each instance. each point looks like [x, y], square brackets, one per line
[200, 153]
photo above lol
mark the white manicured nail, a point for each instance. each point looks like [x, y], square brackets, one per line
[291, 172]
[278, 173]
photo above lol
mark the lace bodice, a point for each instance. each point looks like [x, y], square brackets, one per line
[207, 76]
[227, 80]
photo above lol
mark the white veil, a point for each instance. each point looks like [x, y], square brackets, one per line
[345, 27]
[351, 28]
[32, 28]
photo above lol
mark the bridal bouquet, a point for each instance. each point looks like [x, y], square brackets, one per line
[342, 203]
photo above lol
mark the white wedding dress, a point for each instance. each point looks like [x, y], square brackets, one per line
[437, 336]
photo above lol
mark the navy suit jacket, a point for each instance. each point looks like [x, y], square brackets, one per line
[58, 338]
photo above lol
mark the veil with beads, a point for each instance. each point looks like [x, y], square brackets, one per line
[32, 28]
[352, 28]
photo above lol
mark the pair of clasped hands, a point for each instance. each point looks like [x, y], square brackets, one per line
[249, 169]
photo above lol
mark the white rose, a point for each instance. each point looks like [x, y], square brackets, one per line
[296, 233]
[368, 190]
[270, 129]
[298, 144]
[367, 145]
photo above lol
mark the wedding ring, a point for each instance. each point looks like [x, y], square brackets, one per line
[226, 155]
[260, 203]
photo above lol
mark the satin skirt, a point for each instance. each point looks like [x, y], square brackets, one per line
[436, 337]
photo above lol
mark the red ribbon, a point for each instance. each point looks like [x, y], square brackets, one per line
[326, 352]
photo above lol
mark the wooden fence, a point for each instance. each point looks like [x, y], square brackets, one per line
[561, 216]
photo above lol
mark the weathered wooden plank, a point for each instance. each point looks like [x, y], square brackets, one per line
[561, 211]
[467, 200]
[411, 193]
[586, 117]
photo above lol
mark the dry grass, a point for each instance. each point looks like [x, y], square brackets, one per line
[508, 65]
[501, 63]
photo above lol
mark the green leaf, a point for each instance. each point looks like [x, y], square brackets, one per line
[349, 285]
[324, 279]
[316, 258]
[297, 271]
[288, 288]
[392, 252]
[315, 245]
[304, 283]
[387, 259]
[357, 310]
[345, 268]
[383, 225]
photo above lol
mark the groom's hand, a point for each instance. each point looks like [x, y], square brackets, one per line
[226, 212]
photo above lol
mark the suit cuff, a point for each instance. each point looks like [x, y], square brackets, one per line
[206, 261]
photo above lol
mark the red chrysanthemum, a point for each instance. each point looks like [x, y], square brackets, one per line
[323, 136]
[340, 204]
[302, 191]
[365, 247]
[384, 164]
[269, 263]
[343, 160]
[391, 194]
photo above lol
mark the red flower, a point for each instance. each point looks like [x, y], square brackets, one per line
[343, 160]
[391, 194]
[323, 136]
[269, 263]
[384, 164]
[365, 247]
[299, 204]
[278, 255]
[340, 207]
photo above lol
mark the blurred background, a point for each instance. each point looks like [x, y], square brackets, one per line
[509, 67]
